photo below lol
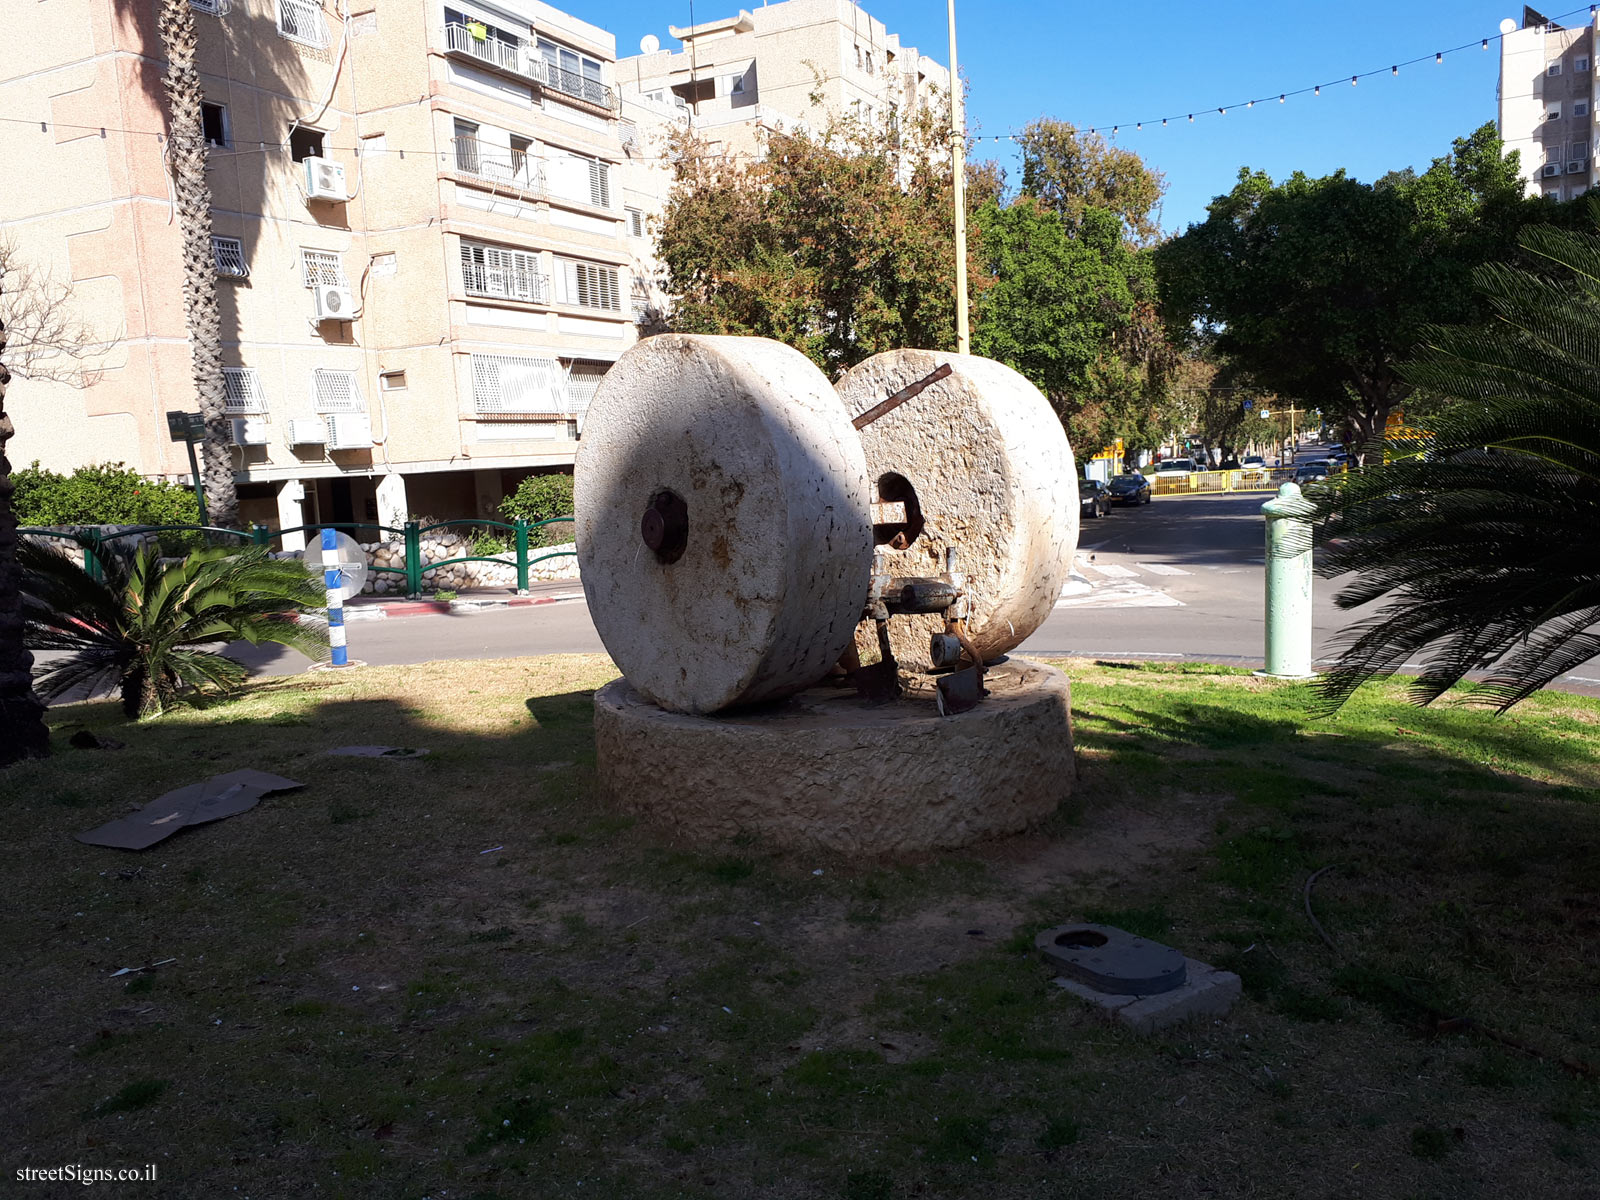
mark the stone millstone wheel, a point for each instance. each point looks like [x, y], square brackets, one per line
[989, 471]
[723, 528]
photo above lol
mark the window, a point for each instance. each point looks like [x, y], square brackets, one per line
[659, 96]
[242, 391]
[213, 7]
[573, 73]
[301, 21]
[519, 156]
[1552, 154]
[858, 58]
[336, 392]
[641, 300]
[214, 123]
[479, 30]
[504, 383]
[392, 381]
[583, 378]
[1553, 113]
[599, 183]
[1581, 64]
[467, 148]
[1553, 69]
[228, 255]
[305, 143]
[736, 85]
[635, 223]
[1580, 108]
[497, 271]
[321, 267]
[591, 285]
[869, 62]
[1578, 149]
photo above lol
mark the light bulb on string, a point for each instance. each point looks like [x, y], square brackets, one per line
[1394, 70]
[1282, 96]
[1353, 79]
[1252, 104]
[1191, 118]
[1439, 58]
[1485, 43]
[1223, 111]
[1317, 91]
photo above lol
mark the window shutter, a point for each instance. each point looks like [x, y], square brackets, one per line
[599, 183]
[242, 391]
[336, 392]
[512, 384]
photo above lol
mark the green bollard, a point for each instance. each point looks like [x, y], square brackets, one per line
[1288, 585]
[522, 556]
[413, 537]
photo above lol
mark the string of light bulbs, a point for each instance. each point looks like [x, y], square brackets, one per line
[1115, 127]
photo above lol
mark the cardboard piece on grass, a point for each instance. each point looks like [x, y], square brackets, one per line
[218, 797]
[376, 752]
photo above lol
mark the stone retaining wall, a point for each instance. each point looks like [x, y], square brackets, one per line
[444, 545]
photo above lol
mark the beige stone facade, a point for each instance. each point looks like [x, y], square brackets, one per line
[1547, 103]
[423, 242]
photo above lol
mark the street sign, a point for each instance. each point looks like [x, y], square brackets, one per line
[186, 427]
[1249, 404]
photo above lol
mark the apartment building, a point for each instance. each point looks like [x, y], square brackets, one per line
[1547, 102]
[794, 63]
[421, 244]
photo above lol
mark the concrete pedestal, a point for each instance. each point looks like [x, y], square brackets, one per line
[825, 770]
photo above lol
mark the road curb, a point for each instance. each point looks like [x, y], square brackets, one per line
[383, 610]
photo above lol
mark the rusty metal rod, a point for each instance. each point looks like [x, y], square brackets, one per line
[900, 397]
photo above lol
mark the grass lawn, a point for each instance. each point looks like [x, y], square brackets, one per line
[366, 1004]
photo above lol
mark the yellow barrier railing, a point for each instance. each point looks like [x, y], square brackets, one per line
[1199, 483]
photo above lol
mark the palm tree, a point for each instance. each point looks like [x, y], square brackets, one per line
[186, 159]
[1485, 538]
[22, 729]
[145, 622]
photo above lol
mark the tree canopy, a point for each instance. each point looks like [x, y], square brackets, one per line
[1319, 288]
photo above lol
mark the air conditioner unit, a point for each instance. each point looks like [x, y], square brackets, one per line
[333, 303]
[325, 180]
[1552, 169]
[249, 431]
[349, 431]
[1577, 166]
[307, 431]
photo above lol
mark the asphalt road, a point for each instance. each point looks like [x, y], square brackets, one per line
[1179, 578]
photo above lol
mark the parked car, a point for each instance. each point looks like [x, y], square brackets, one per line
[1253, 462]
[1094, 498]
[1176, 466]
[1313, 472]
[1129, 489]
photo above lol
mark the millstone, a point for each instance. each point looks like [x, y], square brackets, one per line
[992, 474]
[722, 522]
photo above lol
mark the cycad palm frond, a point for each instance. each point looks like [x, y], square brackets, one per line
[143, 624]
[1485, 541]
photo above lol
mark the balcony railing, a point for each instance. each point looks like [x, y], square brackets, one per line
[570, 83]
[505, 282]
[520, 61]
[497, 165]
[490, 50]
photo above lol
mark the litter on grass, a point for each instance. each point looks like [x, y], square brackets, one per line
[218, 797]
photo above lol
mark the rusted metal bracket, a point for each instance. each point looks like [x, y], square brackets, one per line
[900, 397]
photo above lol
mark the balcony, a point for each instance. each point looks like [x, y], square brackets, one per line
[570, 83]
[517, 60]
[500, 55]
[505, 282]
[496, 165]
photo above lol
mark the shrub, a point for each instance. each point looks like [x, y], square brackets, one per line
[105, 494]
[539, 498]
[489, 542]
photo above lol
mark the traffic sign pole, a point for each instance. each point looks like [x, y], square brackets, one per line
[332, 581]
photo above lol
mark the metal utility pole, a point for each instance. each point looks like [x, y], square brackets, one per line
[958, 149]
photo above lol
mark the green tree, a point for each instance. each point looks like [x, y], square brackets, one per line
[839, 244]
[1319, 288]
[103, 494]
[145, 623]
[1477, 537]
[539, 498]
[1070, 171]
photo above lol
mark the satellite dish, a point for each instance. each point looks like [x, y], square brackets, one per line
[348, 556]
[649, 44]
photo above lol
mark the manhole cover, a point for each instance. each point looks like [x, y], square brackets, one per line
[1113, 960]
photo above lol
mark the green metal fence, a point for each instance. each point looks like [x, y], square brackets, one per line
[408, 535]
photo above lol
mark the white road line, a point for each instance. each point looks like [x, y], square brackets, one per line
[1111, 570]
[1121, 595]
[1162, 569]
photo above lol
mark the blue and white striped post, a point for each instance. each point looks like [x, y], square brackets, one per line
[332, 579]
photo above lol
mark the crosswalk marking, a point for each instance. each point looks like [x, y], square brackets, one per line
[1120, 595]
[1162, 569]
[1112, 570]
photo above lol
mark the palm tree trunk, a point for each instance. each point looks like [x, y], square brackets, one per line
[22, 729]
[187, 162]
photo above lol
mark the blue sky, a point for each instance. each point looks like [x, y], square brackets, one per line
[1103, 64]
